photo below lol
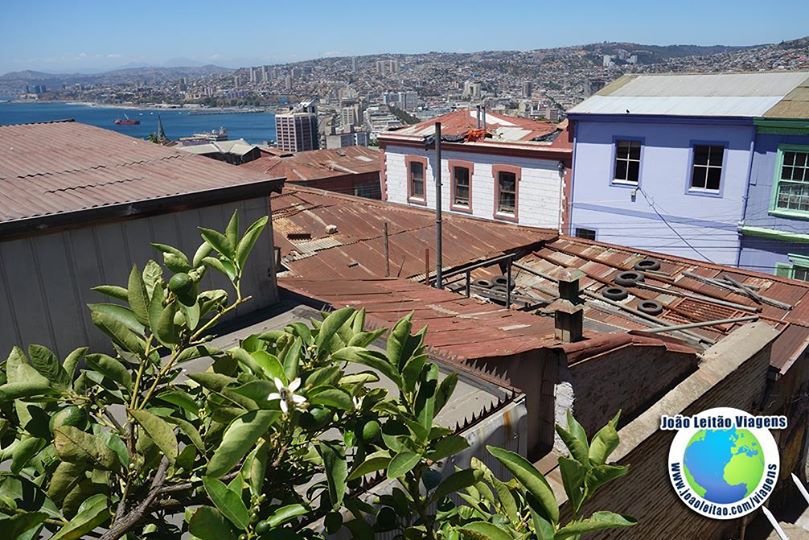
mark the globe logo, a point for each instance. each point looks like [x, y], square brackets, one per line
[723, 463]
[723, 466]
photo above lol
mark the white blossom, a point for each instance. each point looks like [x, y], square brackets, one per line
[286, 394]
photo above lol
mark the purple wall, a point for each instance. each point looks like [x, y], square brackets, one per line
[761, 253]
[622, 215]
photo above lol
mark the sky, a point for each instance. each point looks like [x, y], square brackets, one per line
[89, 35]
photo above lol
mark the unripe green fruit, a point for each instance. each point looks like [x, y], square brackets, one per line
[386, 519]
[184, 287]
[370, 431]
[262, 527]
[69, 416]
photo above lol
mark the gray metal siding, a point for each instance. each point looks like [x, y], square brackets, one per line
[45, 280]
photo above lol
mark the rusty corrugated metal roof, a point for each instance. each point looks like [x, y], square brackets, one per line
[68, 167]
[568, 252]
[356, 250]
[318, 164]
[460, 328]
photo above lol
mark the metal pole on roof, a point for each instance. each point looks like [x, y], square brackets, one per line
[437, 172]
[387, 251]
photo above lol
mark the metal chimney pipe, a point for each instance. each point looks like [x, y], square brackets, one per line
[437, 172]
[478, 124]
[484, 118]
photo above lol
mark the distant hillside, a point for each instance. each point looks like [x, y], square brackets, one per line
[652, 54]
[149, 73]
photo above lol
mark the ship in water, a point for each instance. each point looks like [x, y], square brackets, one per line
[126, 121]
[208, 136]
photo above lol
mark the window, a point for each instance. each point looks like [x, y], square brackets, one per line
[792, 179]
[627, 161]
[460, 184]
[416, 170]
[707, 169]
[797, 268]
[587, 234]
[506, 193]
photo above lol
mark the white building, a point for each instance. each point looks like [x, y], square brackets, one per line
[516, 172]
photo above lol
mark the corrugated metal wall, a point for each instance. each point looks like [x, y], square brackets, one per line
[45, 280]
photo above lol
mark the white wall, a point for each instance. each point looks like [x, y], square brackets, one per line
[45, 280]
[538, 193]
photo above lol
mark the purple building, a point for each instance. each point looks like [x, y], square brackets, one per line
[693, 165]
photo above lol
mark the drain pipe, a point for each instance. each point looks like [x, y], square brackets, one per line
[437, 172]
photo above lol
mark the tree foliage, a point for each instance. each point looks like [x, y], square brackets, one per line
[273, 440]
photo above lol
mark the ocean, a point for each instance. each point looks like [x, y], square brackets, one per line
[255, 127]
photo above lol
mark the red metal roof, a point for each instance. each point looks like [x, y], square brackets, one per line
[601, 263]
[64, 167]
[301, 216]
[318, 164]
[499, 128]
[460, 328]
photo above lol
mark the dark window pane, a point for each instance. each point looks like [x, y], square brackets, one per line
[797, 173]
[786, 173]
[620, 170]
[714, 174]
[634, 151]
[717, 154]
[506, 203]
[800, 159]
[508, 181]
[701, 155]
[800, 272]
[623, 150]
[789, 158]
[634, 171]
[698, 178]
[588, 234]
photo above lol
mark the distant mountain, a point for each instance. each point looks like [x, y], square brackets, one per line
[124, 74]
[652, 54]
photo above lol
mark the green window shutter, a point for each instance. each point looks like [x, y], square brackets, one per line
[783, 270]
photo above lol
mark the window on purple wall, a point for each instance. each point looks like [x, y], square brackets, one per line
[707, 170]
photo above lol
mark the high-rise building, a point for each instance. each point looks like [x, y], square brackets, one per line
[296, 131]
[353, 64]
[408, 101]
[253, 75]
[591, 86]
[527, 89]
[387, 67]
[471, 90]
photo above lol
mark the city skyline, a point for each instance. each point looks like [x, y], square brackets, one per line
[95, 37]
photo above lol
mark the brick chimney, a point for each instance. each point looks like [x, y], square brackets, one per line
[568, 311]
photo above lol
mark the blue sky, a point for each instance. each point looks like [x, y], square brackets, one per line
[80, 35]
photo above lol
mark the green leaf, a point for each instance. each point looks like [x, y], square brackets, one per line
[228, 502]
[117, 330]
[238, 439]
[456, 482]
[363, 339]
[182, 399]
[66, 477]
[482, 530]
[192, 315]
[137, 296]
[374, 462]
[425, 398]
[203, 251]
[166, 331]
[527, 475]
[76, 446]
[334, 463]
[24, 451]
[152, 278]
[113, 291]
[327, 375]
[258, 468]
[11, 391]
[578, 449]
[412, 371]
[286, 513]
[331, 324]
[189, 429]
[122, 314]
[218, 241]
[219, 266]
[110, 368]
[372, 359]
[215, 382]
[208, 523]
[92, 513]
[598, 521]
[270, 365]
[397, 341]
[15, 527]
[445, 391]
[402, 463]
[573, 475]
[605, 441]
[73, 360]
[232, 229]
[602, 474]
[45, 362]
[249, 239]
[159, 430]
[330, 397]
[448, 446]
